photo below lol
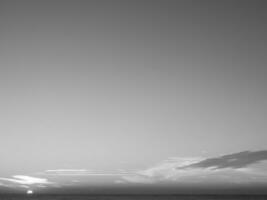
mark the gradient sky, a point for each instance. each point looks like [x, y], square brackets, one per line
[103, 92]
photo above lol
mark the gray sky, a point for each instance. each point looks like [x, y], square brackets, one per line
[124, 85]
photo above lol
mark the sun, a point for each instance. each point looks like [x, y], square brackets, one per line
[29, 192]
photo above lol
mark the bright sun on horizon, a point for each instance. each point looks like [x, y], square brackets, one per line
[29, 192]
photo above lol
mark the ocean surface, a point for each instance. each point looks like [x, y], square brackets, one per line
[133, 197]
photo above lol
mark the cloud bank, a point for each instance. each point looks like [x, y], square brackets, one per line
[242, 167]
[235, 161]
[239, 167]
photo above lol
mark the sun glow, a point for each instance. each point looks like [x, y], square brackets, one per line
[29, 192]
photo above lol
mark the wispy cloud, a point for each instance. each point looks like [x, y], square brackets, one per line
[162, 171]
[67, 170]
[84, 172]
[137, 178]
[4, 185]
[167, 168]
[26, 180]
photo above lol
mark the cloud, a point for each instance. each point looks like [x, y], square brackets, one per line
[4, 185]
[167, 167]
[26, 180]
[125, 176]
[84, 172]
[235, 161]
[138, 179]
[67, 170]
[162, 171]
[237, 167]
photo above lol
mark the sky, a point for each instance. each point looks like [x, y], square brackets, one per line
[132, 94]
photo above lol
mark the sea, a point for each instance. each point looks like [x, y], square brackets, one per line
[133, 197]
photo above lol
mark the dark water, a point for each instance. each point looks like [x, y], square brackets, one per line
[133, 197]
